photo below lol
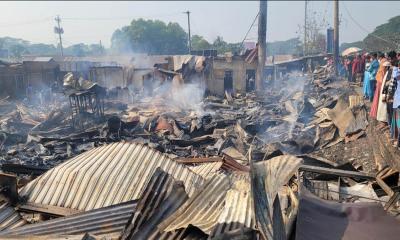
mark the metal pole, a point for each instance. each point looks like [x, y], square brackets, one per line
[336, 36]
[190, 40]
[58, 20]
[305, 28]
[262, 45]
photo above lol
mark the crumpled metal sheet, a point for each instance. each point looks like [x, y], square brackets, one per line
[9, 217]
[162, 196]
[108, 221]
[222, 204]
[207, 170]
[341, 116]
[267, 179]
[238, 208]
[104, 176]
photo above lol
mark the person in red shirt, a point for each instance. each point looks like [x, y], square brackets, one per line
[357, 69]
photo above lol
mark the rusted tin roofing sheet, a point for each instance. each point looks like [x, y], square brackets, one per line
[108, 221]
[222, 204]
[206, 170]
[105, 176]
[9, 217]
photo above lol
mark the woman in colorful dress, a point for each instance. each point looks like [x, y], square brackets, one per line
[395, 127]
[379, 77]
[366, 83]
[372, 70]
[381, 114]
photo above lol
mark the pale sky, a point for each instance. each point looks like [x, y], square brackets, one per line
[90, 22]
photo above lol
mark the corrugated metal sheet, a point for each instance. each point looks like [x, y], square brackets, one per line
[222, 204]
[203, 208]
[267, 178]
[9, 217]
[206, 170]
[162, 196]
[103, 221]
[238, 208]
[52, 237]
[105, 176]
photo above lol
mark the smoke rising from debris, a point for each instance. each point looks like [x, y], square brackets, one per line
[188, 96]
[292, 96]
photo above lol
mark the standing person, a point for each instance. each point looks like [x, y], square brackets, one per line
[390, 88]
[379, 78]
[381, 114]
[349, 65]
[396, 105]
[366, 81]
[372, 70]
[363, 62]
[356, 69]
[346, 69]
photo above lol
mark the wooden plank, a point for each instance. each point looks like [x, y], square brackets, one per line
[384, 186]
[198, 160]
[47, 209]
[336, 172]
[392, 201]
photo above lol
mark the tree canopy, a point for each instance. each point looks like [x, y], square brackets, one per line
[148, 36]
[199, 43]
[385, 37]
[291, 46]
[18, 47]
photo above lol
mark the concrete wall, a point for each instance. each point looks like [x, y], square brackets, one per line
[108, 77]
[215, 83]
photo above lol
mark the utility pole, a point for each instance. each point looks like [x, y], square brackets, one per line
[190, 40]
[101, 48]
[336, 36]
[59, 30]
[262, 45]
[305, 27]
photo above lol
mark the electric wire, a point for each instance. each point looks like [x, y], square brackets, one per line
[361, 27]
[248, 31]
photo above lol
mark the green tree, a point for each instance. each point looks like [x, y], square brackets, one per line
[79, 50]
[291, 46]
[385, 37]
[17, 50]
[220, 45]
[41, 49]
[95, 50]
[148, 36]
[199, 43]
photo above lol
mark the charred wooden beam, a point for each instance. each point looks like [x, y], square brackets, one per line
[47, 209]
[23, 169]
[337, 172]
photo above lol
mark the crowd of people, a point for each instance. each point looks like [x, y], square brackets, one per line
[379, 75]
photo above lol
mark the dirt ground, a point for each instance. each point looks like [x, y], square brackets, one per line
[364, 153]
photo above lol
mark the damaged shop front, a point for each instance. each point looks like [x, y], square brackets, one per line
[231, 74]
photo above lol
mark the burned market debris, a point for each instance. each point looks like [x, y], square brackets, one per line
[174, 162]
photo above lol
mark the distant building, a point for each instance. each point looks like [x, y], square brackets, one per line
[12, 82]
[41, 72]
[231, 74]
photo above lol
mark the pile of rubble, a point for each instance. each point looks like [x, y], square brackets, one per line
[236, 167]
